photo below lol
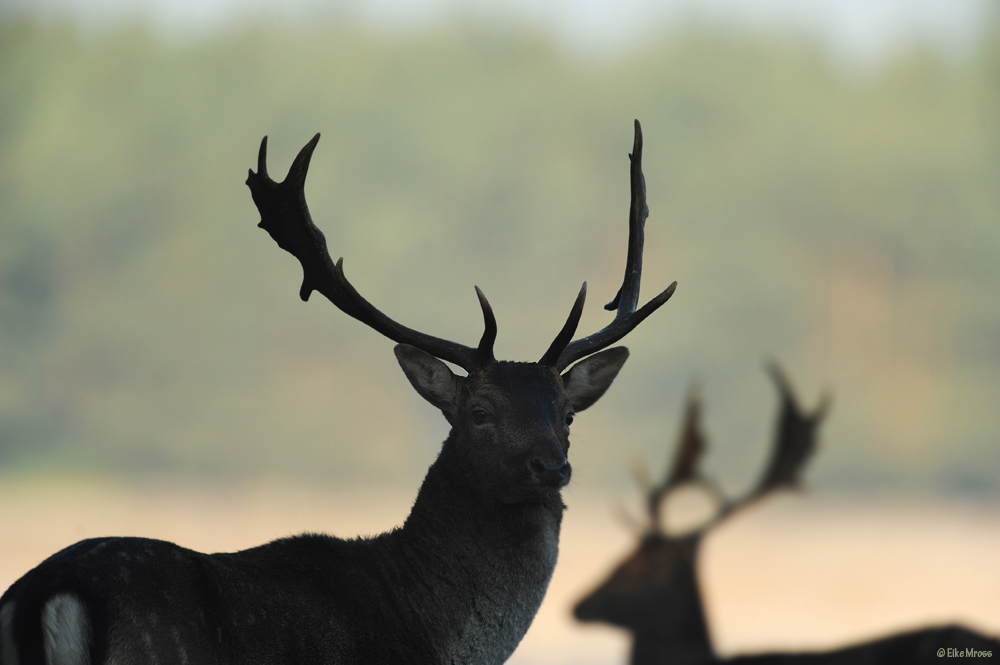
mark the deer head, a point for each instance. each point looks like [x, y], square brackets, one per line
[654, 592]
[510, 420]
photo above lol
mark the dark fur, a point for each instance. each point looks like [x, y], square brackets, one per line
[460, 581]
[655, 595]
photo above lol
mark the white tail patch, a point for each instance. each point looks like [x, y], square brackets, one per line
[8, 650]
[65, 631]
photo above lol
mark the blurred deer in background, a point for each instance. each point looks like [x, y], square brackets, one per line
[459, 582]
[654, 593]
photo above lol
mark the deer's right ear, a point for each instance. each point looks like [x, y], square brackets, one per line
[430, 377]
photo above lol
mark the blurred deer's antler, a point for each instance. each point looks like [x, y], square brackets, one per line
[794, 443]
[684, 468]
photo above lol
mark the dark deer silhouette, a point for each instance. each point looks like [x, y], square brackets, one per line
[459, 582]
[654, 593]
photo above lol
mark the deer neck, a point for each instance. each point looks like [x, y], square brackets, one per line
[488, 564]
[655, 649]
[676, 632]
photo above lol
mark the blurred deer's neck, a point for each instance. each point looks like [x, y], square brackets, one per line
[654, 649]
[677, 632]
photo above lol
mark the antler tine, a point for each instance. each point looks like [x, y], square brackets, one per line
[485, 348]
[627, 317]
[639, 470]
[627, 297]
[285, 216]
[551, 356]
[684, 467]
[692, 444]
[795, 436]
[262, 158]
[794, 444]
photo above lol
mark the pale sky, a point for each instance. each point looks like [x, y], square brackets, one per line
[858, 31]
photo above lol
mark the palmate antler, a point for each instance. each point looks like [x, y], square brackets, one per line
[285, 216]
[625, 302]
[794, 444]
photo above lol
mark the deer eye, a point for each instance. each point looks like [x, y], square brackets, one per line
[479, 416]
[569, 419]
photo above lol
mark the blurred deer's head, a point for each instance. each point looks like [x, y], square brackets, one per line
[654, 592]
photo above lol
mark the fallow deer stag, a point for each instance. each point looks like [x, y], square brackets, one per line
[655, 593]
[459, 582]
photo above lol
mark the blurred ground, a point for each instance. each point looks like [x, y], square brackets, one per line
[801, 571]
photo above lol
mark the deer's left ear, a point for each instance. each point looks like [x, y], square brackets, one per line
[590, 378]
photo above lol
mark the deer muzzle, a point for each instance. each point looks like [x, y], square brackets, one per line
[550, 467]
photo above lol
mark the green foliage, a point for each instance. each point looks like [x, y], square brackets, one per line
[845, 226]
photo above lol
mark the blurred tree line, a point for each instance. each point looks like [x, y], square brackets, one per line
[846, 224]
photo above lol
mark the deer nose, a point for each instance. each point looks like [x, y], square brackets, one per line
[554, 471]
